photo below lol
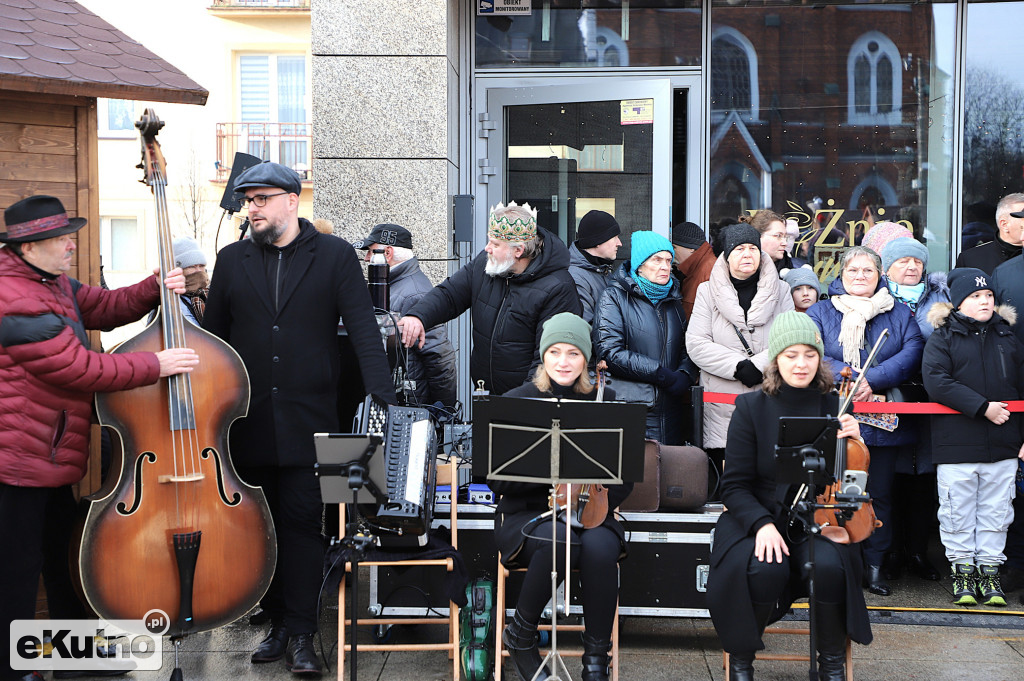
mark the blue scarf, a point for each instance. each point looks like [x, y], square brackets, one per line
[654, 292]
[910, 295]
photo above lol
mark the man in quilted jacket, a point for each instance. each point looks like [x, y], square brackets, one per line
[48, 376]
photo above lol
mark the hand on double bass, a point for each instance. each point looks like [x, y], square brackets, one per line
[175, 280]
[176, 360]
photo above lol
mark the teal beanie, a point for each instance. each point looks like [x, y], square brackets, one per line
[644, 244]
[565, 327]
[793, 328]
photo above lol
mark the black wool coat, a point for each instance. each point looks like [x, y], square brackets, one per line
[754, 498]
[508, 312]
[966, 365]
[521, 502]
[291, 353]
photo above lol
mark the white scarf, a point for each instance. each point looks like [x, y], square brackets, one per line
[857, 311]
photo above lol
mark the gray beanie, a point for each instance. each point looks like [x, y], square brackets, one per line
[802, 276]
[187, 252]
[565, 327]
[903, 247]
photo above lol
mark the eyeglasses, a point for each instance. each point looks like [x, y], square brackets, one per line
[855, 272]
[778, 236]
[260, 199]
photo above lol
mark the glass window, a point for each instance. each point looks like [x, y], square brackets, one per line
[116, 118]
[993, 153]
[598, 33]
[848, 121]
[125, 253]
[274, 112]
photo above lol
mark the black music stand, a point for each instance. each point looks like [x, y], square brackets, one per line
[345, 464]
[555, 442]
[804, 456]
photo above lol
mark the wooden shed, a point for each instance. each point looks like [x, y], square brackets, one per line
[56, 59]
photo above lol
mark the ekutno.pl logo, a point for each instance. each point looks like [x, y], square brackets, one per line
[89, 645]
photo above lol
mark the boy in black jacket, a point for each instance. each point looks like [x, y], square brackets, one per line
[972, 363]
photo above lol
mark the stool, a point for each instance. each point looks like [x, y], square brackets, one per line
[452, 646]
[793, 658]
[499, 626]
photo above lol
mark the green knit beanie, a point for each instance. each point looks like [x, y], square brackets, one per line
[793, 328]
[565, 327]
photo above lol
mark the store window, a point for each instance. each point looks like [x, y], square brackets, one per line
[993, 115]
[598, 33]
[849, 119]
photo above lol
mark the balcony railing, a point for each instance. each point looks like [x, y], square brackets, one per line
[259, 4]
[289, 144]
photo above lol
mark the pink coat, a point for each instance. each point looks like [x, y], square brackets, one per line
[48, 374]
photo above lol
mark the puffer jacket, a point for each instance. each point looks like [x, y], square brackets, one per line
[935, 291]
[714, 346]
[432, 367]
[508, 312]
[591, 280]
[48, 374]
[968, 364]
[636, 337]
[898, 360]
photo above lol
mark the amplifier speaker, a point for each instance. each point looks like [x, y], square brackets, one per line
[229, 201]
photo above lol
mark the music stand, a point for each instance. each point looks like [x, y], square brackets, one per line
[345, 464]
[804, 454]
[554, 442]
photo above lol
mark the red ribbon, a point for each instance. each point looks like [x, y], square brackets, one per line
[36, 226]
[877, 407]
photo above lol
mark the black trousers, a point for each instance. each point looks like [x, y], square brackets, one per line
[293, 495]
[596, 552]
[36, 524]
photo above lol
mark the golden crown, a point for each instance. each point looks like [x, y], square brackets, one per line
[517, 230]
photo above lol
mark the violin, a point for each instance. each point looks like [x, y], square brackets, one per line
[175, 528]
[844, 526]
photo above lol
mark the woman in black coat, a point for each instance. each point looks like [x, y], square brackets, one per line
[523, 531]
[757, 563]
[640, 332]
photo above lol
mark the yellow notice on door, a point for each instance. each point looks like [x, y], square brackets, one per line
[636, 111]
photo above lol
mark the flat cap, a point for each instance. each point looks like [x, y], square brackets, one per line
[269, 174]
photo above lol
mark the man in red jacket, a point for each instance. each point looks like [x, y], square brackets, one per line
[48, 376]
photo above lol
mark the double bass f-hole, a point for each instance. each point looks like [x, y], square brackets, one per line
[176, 528]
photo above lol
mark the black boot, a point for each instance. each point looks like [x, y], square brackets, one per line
[272, 647]
[874, 582]
[831, 624]
[741, 666]
[520, 639]
[300, 658]
[595, 658]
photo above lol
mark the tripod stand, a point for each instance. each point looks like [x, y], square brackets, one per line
[551, 442]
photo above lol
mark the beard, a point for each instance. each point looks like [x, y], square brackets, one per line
[499, 268]
[268, 235]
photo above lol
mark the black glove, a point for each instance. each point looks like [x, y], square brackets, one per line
[675, 383]
[664, 378]
[748, 374]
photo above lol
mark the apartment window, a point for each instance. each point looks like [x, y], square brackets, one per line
[116, 118]
[125, 245]
[274, 108]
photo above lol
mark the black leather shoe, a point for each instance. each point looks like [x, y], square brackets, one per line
[741, 666]
[520, 639]
[832, 666]
[301, 658]
[271, 649]
[892, 566]
[920, 566]
[595, 658]
[873, 581]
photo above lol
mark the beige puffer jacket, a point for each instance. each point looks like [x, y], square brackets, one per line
[712, 343]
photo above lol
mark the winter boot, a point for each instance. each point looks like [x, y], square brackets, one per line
[831, 621]
[965, 584]
[741, 666]
[595, 658]
[989, 589]
[520, 639]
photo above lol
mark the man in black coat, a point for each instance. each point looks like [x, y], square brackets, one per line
[592, 258]
[520, 280]
[431, 369]
[276, 298]
[1007, 244]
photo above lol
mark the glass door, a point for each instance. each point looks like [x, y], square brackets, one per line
[569, 149]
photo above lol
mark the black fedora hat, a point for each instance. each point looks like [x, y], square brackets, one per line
[36, 218]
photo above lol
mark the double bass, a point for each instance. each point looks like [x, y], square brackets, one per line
[175, 529]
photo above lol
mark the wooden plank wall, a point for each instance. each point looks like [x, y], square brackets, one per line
[48, 145]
